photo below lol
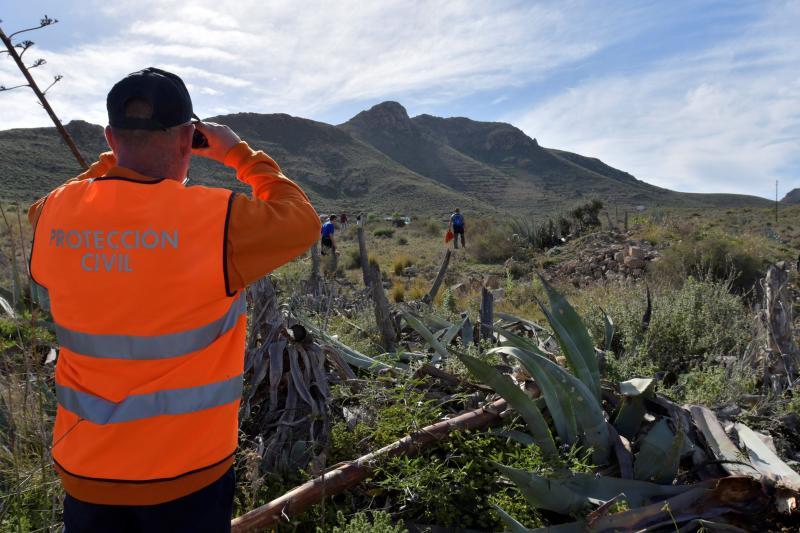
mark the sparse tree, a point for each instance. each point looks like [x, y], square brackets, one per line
[16, 51]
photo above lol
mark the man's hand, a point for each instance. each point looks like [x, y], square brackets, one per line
[220, 140]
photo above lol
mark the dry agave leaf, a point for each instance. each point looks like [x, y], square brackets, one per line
[719, 444]
[766, 461]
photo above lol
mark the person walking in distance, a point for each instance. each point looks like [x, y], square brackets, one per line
[146, 280]
[343, 220]
[457, 227]
[328, 240]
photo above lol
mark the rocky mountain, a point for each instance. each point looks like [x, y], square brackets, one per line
[792, 197]
[381, 160]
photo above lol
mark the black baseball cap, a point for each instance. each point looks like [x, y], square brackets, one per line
[163, 90]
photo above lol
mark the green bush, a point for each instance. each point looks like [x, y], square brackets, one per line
[366, 522]
[353, 260]
[384, 233]
[688, 325]
[402, 241]
[713, 384]
[490, 243]
[715, 254]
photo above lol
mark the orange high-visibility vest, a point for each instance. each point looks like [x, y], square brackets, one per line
[149, 373]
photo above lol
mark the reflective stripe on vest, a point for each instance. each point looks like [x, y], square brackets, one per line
[155, 346]
[139, 406]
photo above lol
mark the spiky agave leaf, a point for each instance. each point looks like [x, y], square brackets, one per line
[571, 394]
[576, 344]
[426, 334]
[515, 526]
[559, 403]
[526, 407]
[631, 412]
[659, 454]
[609, 330]
[577, 492]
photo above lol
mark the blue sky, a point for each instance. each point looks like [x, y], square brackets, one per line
[694, 96]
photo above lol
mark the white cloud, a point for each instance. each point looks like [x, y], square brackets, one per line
[307, 58]
[723, 119]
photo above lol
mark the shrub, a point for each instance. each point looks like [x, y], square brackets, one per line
[353, 260]
[398, 293]
[490, 243]
[713, 384]
[400, 263]
[402, 241]
[717, 255]
[687, 327]
[416, 293]
[366, 522]
[384, 233]
[433, 227]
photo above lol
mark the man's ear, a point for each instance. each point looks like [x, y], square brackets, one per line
[185, 139]
[110, 139]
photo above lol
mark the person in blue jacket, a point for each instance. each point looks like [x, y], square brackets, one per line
[328, 241]
[457, 227]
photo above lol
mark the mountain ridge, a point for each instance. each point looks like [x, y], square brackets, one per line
[381, 160]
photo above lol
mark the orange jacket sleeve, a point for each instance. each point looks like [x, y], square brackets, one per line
[273, 227]
[105, 162]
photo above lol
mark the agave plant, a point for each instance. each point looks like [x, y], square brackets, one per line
[571, 399]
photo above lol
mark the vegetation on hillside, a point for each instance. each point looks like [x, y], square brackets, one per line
[700, 330]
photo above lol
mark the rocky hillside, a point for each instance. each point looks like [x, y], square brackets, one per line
[382, 161]
[792, 197]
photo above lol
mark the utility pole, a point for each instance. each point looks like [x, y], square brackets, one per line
[776, 202]
[17, 57]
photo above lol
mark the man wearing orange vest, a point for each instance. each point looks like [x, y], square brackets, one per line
[146, 279]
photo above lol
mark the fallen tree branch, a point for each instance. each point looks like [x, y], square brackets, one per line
[344, 476]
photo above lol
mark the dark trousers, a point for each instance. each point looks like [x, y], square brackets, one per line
[208, 510]
[456, 232]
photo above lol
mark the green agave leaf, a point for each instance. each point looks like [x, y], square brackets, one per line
[609, 331]
[659, 454]
[543, 493]
[511, 318]
[466, 332]
[631, 413]
[559, 403]
[578, 491]
[517, 436]
[573, 337]
[426, 334]
[437, 322]
[515, 526]
[572, 527]
[588, 413]
[526, 407]
[450, 334]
